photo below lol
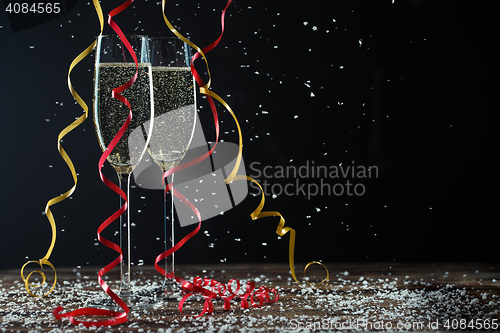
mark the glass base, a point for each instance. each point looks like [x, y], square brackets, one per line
[171, 291]
[144, 297]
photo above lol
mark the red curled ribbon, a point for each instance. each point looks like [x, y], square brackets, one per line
[117, 317]
[218, 290]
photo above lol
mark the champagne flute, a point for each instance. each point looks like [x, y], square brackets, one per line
[174, 124]
[114, 67]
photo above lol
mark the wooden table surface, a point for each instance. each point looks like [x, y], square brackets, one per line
[359, 296]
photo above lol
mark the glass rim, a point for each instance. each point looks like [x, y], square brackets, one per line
[126, 35]
[164, 37]
[142, 36]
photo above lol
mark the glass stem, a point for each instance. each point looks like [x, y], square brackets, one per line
[169, 232]
[125, 243]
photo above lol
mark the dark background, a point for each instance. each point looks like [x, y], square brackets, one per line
[405, 86]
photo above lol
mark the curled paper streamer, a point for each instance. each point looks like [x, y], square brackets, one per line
[281, 230]
[26, 279]
[205, 89]
[62, 152]
[218, 290]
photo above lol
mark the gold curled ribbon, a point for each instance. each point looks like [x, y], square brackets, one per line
[28, 284]
[65, 156]
[257, 213]
[281, 230]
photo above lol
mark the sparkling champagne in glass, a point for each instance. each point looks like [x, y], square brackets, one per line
[114, 67]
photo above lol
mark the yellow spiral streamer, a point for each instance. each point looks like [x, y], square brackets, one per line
[62, 152]
[281, 230]
[257, 213]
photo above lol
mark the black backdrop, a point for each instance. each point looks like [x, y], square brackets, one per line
[407, 87]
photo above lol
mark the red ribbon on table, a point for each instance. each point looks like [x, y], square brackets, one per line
[116, 316]
[219, 290]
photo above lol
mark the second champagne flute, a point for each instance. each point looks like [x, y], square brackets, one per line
[174, 124]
